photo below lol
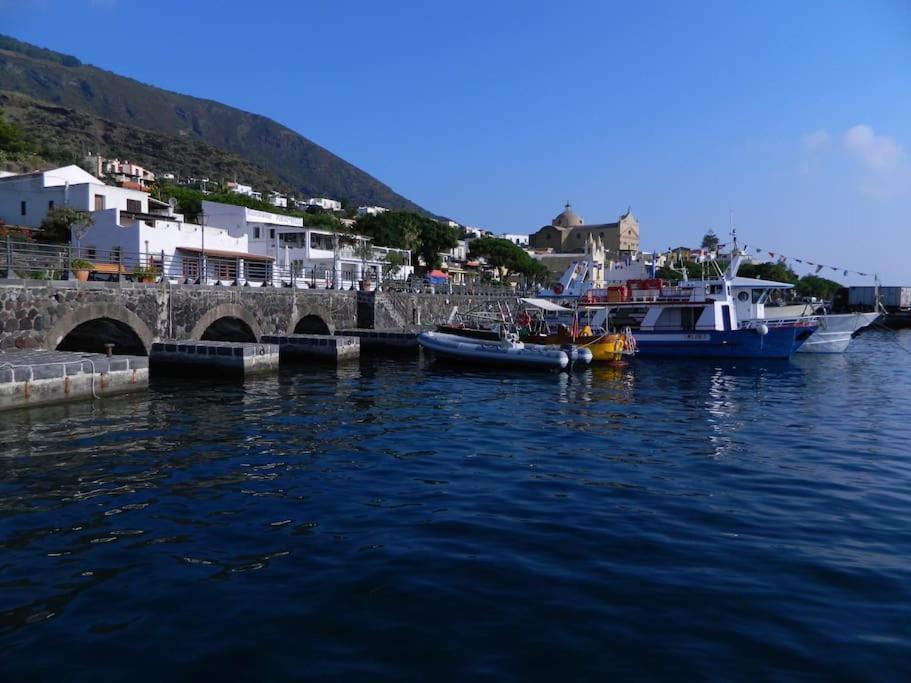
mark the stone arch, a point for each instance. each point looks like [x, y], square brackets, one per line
[311, 323]
[98, 311]
[226, 311]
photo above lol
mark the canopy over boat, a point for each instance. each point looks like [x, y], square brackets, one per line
[546, 305]
[756, 283]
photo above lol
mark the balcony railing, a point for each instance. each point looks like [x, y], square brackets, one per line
[21, 260]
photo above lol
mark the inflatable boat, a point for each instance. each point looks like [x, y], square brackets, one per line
[508, 352]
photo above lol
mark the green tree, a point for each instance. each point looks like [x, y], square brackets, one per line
[435, 237]
[407, 230]
[819, 287]
[710, 241]
[12, 138]
[59, 222]
[508, 258]
[777, 272]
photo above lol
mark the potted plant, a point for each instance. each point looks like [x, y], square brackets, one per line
[364, 251]
[81, 269]
[143, 274]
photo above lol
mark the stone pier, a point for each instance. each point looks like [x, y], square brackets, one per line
[31, 378]
[214, 358]
[385, 340]
[315, 346]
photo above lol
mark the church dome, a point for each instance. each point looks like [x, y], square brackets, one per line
[567, 219]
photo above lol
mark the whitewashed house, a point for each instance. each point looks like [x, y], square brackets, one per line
[238, 188]
[371, 210]
[325, 203]
[123, 173]
[279, 200]
[26, 198]
[519, 240]
[306, 255]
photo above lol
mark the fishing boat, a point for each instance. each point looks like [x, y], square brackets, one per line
[547, 323]
[699, 318]
[507, 352]
[836, 330]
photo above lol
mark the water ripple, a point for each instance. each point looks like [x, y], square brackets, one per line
[394, 519]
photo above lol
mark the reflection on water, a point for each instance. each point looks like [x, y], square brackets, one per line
[400, 519]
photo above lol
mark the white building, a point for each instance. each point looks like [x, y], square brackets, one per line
[123, 173]
[315, 256]
[520, 240]
[26, 198]
[276, 199]
[371, 210]
[238, 188]
[476, 233]
[325, 203]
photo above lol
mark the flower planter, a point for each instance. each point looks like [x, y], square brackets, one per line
[82, 274]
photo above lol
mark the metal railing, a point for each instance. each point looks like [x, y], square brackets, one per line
[22, 260]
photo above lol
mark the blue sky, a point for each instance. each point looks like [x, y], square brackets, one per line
[796, 117]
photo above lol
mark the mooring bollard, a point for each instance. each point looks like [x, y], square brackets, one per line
[109, 349]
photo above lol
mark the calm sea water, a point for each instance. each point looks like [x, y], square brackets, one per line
[397, 520]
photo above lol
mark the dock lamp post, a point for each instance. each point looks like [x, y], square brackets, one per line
[203, 279]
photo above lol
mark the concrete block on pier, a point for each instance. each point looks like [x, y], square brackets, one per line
[298, 346]
[214, 358]
[31, 378]
[385, 340]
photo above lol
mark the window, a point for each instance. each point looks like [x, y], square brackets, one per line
[115, 254]
[256, 233]
[90, 252]
[134, 205]
[189, 267]
[744, 296]
[22, 207]
[271, 233]
[258, 271]
[99, 202]
[50, 205]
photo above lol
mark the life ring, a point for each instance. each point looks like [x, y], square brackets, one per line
[558, 288]
[524, 320]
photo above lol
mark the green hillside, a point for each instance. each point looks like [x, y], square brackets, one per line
[120, 109]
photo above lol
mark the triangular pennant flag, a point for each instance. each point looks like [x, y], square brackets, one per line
[758, 250]
[834, 267]
[772, 254]
[798, 260]
[863, 274]
[810, 263]
[819, 268]
[845, 273]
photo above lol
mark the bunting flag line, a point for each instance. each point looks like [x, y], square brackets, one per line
[782, 259]
[704, 255]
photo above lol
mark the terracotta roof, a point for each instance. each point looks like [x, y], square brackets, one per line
[228, 254]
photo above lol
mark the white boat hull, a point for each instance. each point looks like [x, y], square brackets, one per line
[835, 332]
[493, 353]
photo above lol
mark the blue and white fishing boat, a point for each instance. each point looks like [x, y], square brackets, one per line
[701, 318]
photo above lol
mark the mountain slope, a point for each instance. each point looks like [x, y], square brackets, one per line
[297, 162]
[66, 136]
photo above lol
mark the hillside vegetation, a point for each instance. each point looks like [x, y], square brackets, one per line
[171, 124]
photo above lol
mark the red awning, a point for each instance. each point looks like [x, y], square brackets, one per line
[228, 254]
[437, 273]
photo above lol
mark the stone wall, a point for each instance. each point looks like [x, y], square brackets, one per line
[36, 314]
[403, 309]
[40, 314]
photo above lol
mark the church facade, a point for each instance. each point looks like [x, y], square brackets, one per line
[568, 234]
